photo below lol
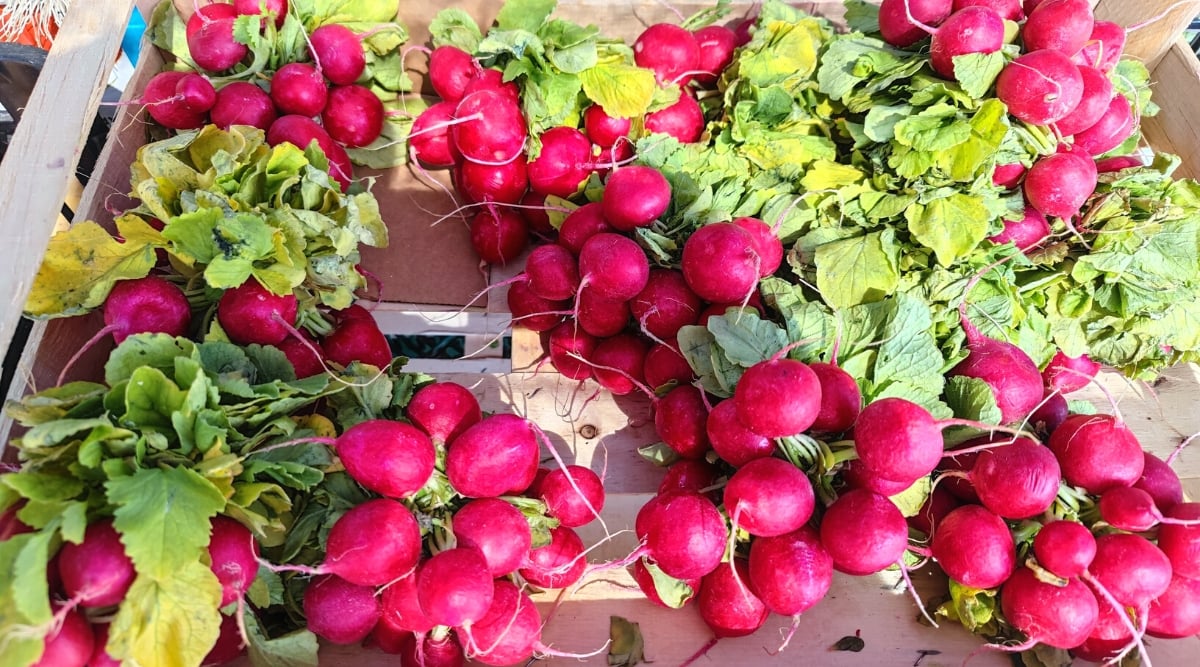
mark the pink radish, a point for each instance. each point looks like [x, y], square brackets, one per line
[1160, 481]
[490, 127]
[634, 196]
[454, 587]
[1018, 480]
[716, 43]
[863, 532]
[694, 475]
[1040, 87]
[1026, 232]
[558, 564]
[778, 397]
[338, 53]
[769, 497]
[495, 529]
[725, 245]
[552, 272]
[582, 224]
[1113, 128]
[353, 115]
[391, 458]
[500, 183]
[498, 235]
[1131, 568]
[973, 29]
[302, 132]
[898, 29]
[1104, 46]
[213, 48]
[568, 344]
[686, 535]
[600, 316]
[683, 120]
[450, 70]
[1007, 9]
[443, 410]
[733, 442]
[680, 418]
[276, 8]
[145, 305]
[234, 555]
[766, 244]
[1061, 617]
[670, 51]
[665, 305]
[619, 363]
[70, 644]
[497, 456]
[614, 265]
[338, 611]
[1065, 548]
[664, 364]
[401, 609]
[250, 314]
[974, 547]
[532, 311]
[357, 340]
[209, 12]
[1181, 543]
[167, 104]
[563, 164]
[1008, 176]
[1059, 185]
[429, 138]
[603, 129]
[1097, 452]
[645, 581]
[1062, 25]
[790, 572]
[841, 399]
[354, 552]
[1069, 374]
[1097, 93]
[243, 103]
[493, 79]
[299, 88]
[1132, 509]
[1010, 372]
[96, 572]
[574, 495]
[1176, 612]
[727, 605]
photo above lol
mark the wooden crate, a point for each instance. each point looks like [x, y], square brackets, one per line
[601, 433]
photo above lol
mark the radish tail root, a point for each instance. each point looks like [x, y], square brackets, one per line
[91, 342]
[1014, 648]
[708, 646]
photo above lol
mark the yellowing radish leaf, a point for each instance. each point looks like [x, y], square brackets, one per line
[623, 90]
[163, 516]
[81, 266]
[169, 621]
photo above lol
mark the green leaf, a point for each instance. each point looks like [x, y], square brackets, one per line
[145, 350]
[745, 338]
[858, 270]
[950, 226]
[673, 592]
[455, 27]
[527, 15]
[24, 596]
[295, 649]
[976, 72]
[151, 399]
[910, 500]
[937, 128]
[170, 621]
[975, 609]
[862, 16]
[626, 647]
[41, 486]
[80, 268]
[625, 91]
[163, 517]
[972, 398]
[54, 403]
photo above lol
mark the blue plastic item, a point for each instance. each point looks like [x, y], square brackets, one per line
[131, 44]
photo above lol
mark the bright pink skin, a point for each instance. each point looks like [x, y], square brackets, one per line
[665, 364]
[962, 488]
[1131, 568]
[1176, 613]
[607, 159]
[1129, 508]
[1007, 9]
[96, 572]
[242, 103]
[454, 587]
[450, 70]
[936, 507]
[497, 456]
[745, 28]
[511, 629]
[734, 443]
[229, 645]
[974, 547]
[278, 8]
[1026, 233]
[647, 515]
[599, 316]
[727, 605]
[1065, 548]
[1097, 452]
[197, 92]
[1181, 544]
[724, 245]
[863, 532]
[1014, 378]
[841, 399]
[493, 79]
[1008, 176]
[299, 88]
[144, 305]
[433, 652]
[897, 438]
[665, 305]
[895, 27]
[1059, 617]
[234, 554]
[301, 131]
[432, 146]
[167, 106]
[532, 311]
[603, 129]
[500, 183]
[1114, 127]
[857, 476]
[670, 51]
[614, 265]
[340, 612]
[1040, 87]
[635, 196]
[646, 582]
[968, 30]
[353, 115]
[564, 163]
[1097, 93]
[1068, 374]
[1113, 164]
[338, 53]
[498, 235]
[1050, 415]
[627, 354]
[686, 535]
[1062, 25]
[100, 656]
[553, 272]
[582, 224]
[769, 497]
[679, 418]
[536, 217]
[355, 553]
[766, 244]
[357, 340]
[717, 44]
[694, 475]
[564, 503]
[567, 342]
[1017, 481]
[497, 530]
[683, 120]
[69, 645]
[1058, 185]
[1160, 481]
[443, 410]
[210, 12]
[543, 567]
[401, 609]
[1104, 46]
[790, 573]
[393, 459]
[213, 47]
[496, 131]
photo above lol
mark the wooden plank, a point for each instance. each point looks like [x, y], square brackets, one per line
[1154, 24]
[1176, 128]
[48, 142]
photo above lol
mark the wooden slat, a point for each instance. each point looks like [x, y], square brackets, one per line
[1176, 128]
[1157, 24]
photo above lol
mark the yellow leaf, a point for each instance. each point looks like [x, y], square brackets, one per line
[625, 91]
[81, 266]
[172, 622]
[319, 424]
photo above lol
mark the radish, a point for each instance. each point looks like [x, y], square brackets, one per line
[552, 272]
[680, 419]
[1026, 232]
[354, 552]
[1061, 617]
[863, 532]
[1062, 25]
[841, 399]
[563, 164]
[694, 475]
[858, 476]
[665, 305]
[1132, 509]
[724, 245]
[614, 266]
[276, 8]
[96, 572]
[432, 651]
[498, 235]
[792, 572]
[304, 354]
[167, 104]
[196, 92]
[1131, 568]
[533, 209]
[1113, 128]
[665, 363]
[582, 224]
[683, 120]
[574, 495]
[1181, 543]
[100, 656]
[1008, 176]
[603, 129]
[450, 69]
[490, 127]
[1050, 415]
[532, 311]
[969, 30]
[569, 348]
[716, 43]
[509, 632]
[619, 362]
[769, 497]
[145, 305]
[645, 581]
[1065, 548]
[1097, 452]
[493, 79]
[1160, 481]
[1103, 47]
[974, 547]
[429, 138]
[443, 410]
[1059, 185]
[670, 51]
[391, 458]
[936, 507]
[301, 132]
[234, 557]
[353, 115]
[634, 196]
[685, 535]
[727, 605]
[1013, 376]
[558, 564]
[299, 88]
[338, 611]
[243, 103]
[1097, 93]
[357, 340]
[1040, 87]
[501, 183]
[898, 29]
[1017, 481]
[69, 644]
[338, 53]
[1010, 10]
[1113, 164]
[734, 443]
[497, 530]
[209, 12]
[497, 456]
[251, 314]
[766, 244]
[229, 645]
[1176, 612]
[213, 48]
[454, 587]
[1065, 374]
[401, 611]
